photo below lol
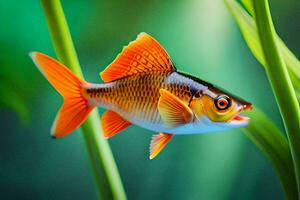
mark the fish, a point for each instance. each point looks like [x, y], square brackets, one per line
[142, 87]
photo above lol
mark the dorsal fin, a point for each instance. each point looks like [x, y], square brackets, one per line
[143, 55]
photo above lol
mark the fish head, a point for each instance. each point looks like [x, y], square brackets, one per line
[220, 109]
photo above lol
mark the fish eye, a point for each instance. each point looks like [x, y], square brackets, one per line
[222, 102]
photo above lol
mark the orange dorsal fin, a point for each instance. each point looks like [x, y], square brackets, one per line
[113, 123]
[158, 142]
[173, 111]
[143, 55]
[75, 108]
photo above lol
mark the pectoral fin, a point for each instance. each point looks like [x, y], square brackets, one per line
[113, 123]
[173, 111]
[158, 142]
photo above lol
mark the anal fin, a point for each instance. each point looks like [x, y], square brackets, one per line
[113, 123]
[158, 142]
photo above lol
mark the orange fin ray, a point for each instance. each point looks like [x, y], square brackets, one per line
[69, 118]
[143, 55]
[173, 111]
[158, 142]
[113, 123]
[75, 108]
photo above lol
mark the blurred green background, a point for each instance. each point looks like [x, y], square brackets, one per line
[201, 37]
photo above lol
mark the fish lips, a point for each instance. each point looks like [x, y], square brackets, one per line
[240, 120]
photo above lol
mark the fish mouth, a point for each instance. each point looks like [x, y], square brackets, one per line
[238, 121]
[240, 118]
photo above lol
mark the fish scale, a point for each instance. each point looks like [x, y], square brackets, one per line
[137, 96]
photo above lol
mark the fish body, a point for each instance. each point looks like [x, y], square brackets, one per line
[143, 87]
[136, 98]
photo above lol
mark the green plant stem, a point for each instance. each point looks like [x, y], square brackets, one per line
[280, 81]
[262, 131]
[248, 28]
[109, 185]
[272, 142]
[291, 61]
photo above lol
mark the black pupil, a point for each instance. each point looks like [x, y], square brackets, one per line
[222, 102]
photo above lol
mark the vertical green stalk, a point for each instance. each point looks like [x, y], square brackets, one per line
[109, 185]
[280, 81]
[273, 143]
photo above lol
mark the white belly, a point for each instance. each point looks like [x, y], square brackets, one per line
[196, 127]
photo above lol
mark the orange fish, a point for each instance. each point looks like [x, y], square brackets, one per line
[142, 87]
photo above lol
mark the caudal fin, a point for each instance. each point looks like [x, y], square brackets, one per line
[75, 108]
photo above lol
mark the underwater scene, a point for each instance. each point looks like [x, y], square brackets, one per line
[142, 100]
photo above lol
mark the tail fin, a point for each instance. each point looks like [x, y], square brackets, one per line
[75, 108]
